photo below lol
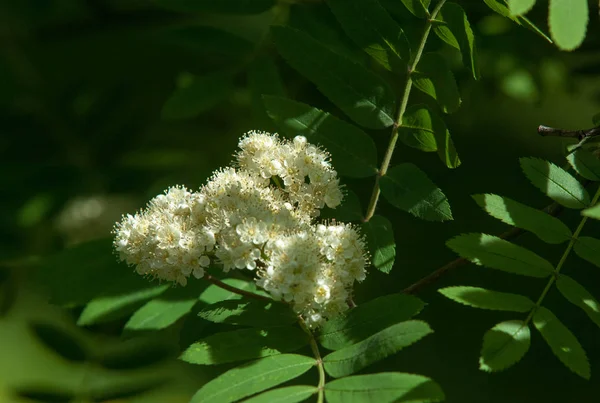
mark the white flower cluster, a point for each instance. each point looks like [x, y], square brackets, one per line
[259, 215]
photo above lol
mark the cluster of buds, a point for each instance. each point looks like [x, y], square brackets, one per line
[259, 215]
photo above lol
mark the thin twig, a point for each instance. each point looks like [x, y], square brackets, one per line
[235, 290]
[315, 349]
[553, 209]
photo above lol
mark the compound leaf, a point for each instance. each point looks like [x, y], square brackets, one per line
[487, 299]
[504, 345]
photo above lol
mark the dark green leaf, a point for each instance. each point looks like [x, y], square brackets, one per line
[135, 353]
[457, 33]
[408, 188]
[417, 7]
[426, 131]
[253, 377]
[588, 248]
[385, 387]
[60, 341]
[41, 394]
[519, 7]
[578, 295]
[368, 24]
[504, 345]
[353, 152]
[546, 227]
[214, 293]
[363, 96]
[496, 253]
[110, 307]
[488, 299]
[244, 344]
[556, 183]
[380, 238]
[368, 319]
[220, 6]
[377, 347]
[433, 77]
[350, 209]
[289, 394]
[562, 342]
[501, 9]
[264, 79]
[249, 313]
[568, 21]
[195, 95]
[585, 164]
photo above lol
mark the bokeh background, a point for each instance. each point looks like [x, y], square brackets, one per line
[85, 138]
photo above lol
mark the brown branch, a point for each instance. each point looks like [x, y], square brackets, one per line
[553, 209]
[235, 290]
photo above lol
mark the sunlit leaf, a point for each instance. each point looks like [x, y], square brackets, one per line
[408, 188]
[585, 164]
[380, 239]
[433, 77]
[496, 253]
[457, 33]
[501, 8]
[385, 387]
[562, 342]
[487, 299]
[519, 7]
[588, 248]
[377, 347]
[592, 212]
[197, 94]
[426, 131]
[249, 313]
[369, 25]
[363, 96]
[578, 295]
[546, 227]
[353, 152]
[568, 21]
[368, 319]
[289, 394]
[556, 183]
[253, 377]
[244, 344]
[214, 293]
[504, 345]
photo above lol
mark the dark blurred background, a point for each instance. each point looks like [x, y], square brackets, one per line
[86, 136]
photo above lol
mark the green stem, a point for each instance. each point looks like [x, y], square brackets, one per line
[400, 113]
[562, 260]
[315, 349]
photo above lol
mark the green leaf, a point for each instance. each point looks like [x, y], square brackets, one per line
[103, 309]
[408, 188]
[519, 7]
[501, 9]
[363, 96]
[546, 227]
[585, 164]
[588, 248]
[556, 183]
[384, 387]
[568, 21]
[214, 293]
[563, 343]
[368, 319]
[377, 347]
[578, 295]
[249, 313]
[369, 25]
[380, 238]
[253, 377]
[162, 312]
[289, 394]
[264, 79]
[592, 212]
[350, 209]
[433, 77]
[426, 131]
[244, 344]
[220, 6]
[504, 345]
[488, 299]
[417, 7]
[496, 253]
[457, 33]
[196, 95]
[353, 152]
